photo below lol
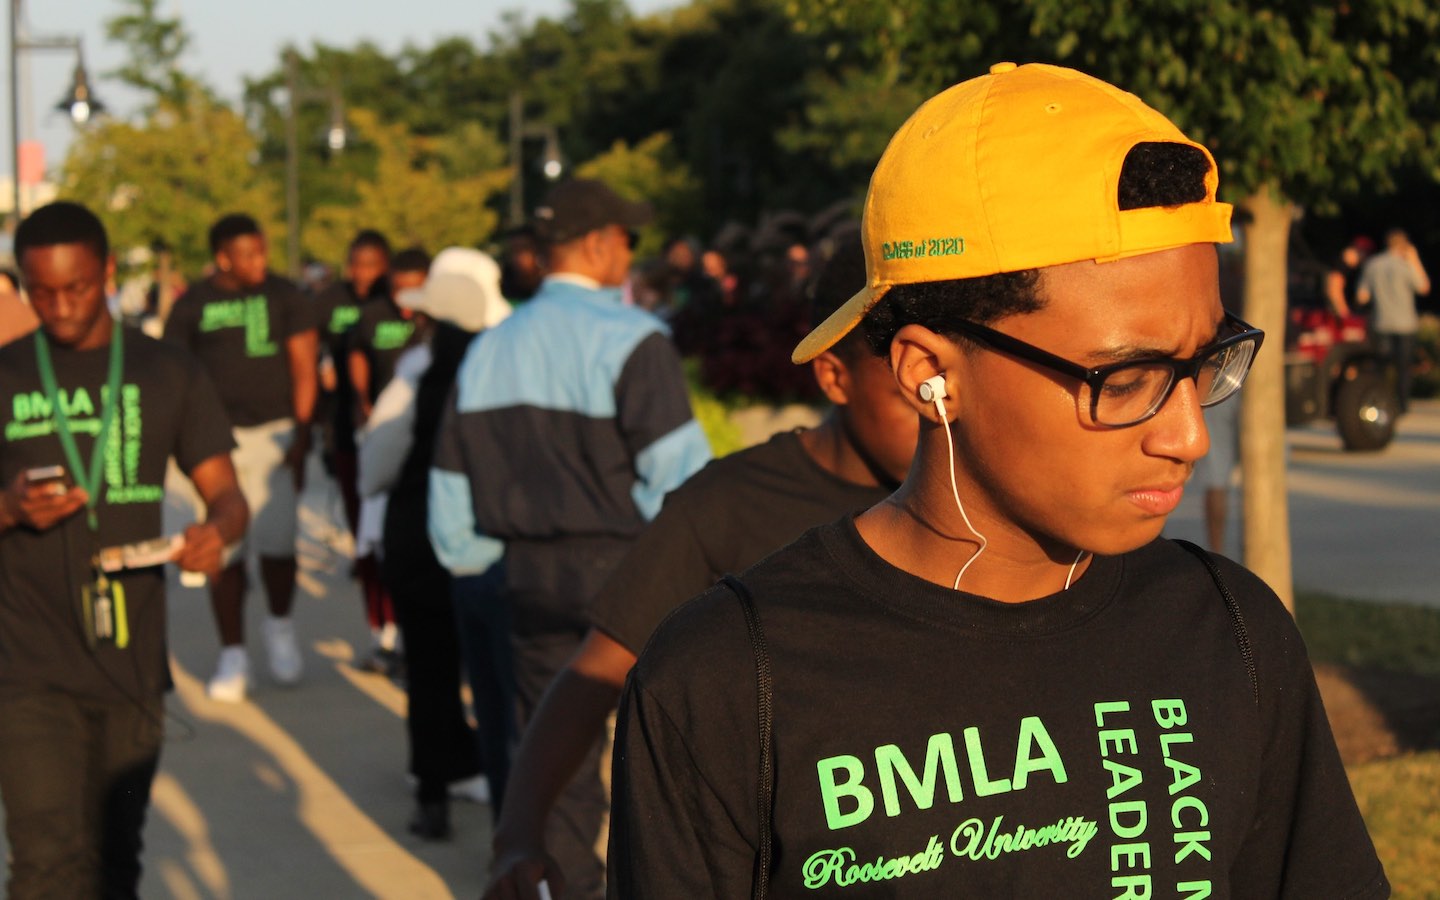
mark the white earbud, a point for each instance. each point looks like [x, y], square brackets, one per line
[932, 390]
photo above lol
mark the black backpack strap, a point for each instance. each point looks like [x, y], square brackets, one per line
[1237, 621]
[765, 707]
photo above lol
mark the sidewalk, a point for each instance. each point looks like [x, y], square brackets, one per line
[1362, 525]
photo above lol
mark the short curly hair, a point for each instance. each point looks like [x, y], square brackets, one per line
[61, 222]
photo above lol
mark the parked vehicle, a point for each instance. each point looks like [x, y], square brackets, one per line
[1332, 371]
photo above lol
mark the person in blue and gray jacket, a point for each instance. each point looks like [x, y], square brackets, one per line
[569, 423]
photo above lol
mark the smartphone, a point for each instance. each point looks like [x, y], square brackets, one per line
[52, 476]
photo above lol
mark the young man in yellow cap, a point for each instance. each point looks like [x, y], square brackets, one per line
[1000, 681]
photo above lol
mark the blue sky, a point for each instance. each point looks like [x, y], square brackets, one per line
[233, 39]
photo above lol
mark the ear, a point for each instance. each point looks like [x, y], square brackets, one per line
[917, 353]
[833, 377]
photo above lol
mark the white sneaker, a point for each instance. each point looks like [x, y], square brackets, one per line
[232, 676]
[286, 664]
[476, 790]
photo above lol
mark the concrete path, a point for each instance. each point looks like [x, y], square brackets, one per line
[1362, 525]
[301, 793]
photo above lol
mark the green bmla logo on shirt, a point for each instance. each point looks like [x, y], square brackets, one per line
[393, 335]
[33, 416]
[251, 313]
[342, 317]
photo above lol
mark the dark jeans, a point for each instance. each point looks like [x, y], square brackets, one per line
[482, 616]
[1400, 350]
[75, 777]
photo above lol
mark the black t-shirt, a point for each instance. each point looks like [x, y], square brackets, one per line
[382, 334]
[337, 310]
[1351, 282]
[725, 518]
[239, 337]
[1100, 742]
[168, 407]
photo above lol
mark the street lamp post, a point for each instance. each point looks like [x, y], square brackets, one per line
[80, 103]
[335, 139]
[552, 165]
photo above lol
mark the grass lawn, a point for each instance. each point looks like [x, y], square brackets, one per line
[1400, 796]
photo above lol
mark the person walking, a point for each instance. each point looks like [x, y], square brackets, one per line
[93, 412]
[570, 423]
[255, 334]
[723, 519]
[460, 298]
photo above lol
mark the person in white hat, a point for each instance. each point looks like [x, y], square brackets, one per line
[459, 298]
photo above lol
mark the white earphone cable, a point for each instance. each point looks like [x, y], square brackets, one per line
[955, 491]
[1071, 574]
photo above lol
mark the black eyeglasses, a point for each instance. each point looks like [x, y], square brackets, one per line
[1128, 393]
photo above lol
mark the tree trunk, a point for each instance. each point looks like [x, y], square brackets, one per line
[1266, 507]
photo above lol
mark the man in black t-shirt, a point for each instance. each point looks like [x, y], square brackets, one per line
[346, 319]
[337, 309]
[255, 333]
[725, 518]
[383, 332]
[1001, 681]
[82, 622]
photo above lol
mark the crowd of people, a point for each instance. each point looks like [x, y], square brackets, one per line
[959, 651]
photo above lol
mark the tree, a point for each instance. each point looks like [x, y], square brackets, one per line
[169, 178]
[649, 171]
[1301, 103]
[429, 192]
[155, 46]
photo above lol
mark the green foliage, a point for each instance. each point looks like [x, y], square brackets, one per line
[649, 171]
[1364, 634]
[849, 120]
[714, 418]
[169, 177]
[713, 414]
[155, 46]
[429, 192]
[1318, 99]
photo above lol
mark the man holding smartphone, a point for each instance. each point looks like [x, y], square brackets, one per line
[94, 412]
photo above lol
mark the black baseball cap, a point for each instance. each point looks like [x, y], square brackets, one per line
[582, 205]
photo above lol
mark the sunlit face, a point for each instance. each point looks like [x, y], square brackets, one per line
[680, 257]
[366, 266]
[245, 259]
[714, 264]
[66, 283]
[878, 420]
[1037, 469]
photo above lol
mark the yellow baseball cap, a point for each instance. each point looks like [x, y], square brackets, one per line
[1017, 169]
